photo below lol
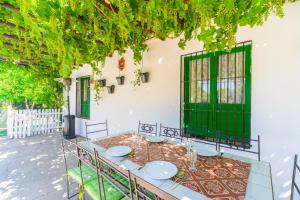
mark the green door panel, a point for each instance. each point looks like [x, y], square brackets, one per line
[197, 98]
[85, 97]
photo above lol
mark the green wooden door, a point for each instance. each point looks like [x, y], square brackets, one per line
[217, 94]
[85, 97]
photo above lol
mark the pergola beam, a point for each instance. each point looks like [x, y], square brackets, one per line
[11, 25]
[14, 9]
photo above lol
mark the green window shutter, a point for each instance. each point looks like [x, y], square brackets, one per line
[83, 97]
[217, 94]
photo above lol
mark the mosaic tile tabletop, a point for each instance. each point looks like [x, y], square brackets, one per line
[215, 177]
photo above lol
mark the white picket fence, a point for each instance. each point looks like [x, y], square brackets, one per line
[22, 123]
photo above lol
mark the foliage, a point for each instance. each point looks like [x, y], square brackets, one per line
[97, 74]
[20, 86]
[137, 78]
[63, 34]
[98, 90]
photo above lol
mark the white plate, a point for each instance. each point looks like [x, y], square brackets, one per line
[206, 152]
[154, 139]
[160, 169]
[118, 151]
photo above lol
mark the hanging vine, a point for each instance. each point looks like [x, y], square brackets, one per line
[63, 34]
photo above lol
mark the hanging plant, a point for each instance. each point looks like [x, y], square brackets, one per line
[83, 31]
[145, 77]
[98, 89]
[140, 76]
[111, 89]
[137, 78]
[102, 82]
[120, 80]
[98, 84]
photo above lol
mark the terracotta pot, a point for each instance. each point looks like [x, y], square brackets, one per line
[121, 64]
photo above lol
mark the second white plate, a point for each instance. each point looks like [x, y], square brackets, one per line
[160, 169]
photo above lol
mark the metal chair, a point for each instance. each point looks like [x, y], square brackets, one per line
[74, 169]
[146, 191]
[117, 177]
[147, 128]
[170, 132]
[240, 144]
[296, 169]
[102, 128]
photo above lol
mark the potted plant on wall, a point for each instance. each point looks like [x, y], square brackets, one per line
[121, 66]
[102, 82]
[140, 76]
[111, 89]
[98, 84]
[145, 77]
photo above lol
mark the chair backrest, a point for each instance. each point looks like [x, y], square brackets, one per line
[117, 176]
[170, 132]
[86, 156]
[147, 191]
[96, 128]
[296, 170]
[69, 149]
[147, 128]
[244, 145]
[79, 156]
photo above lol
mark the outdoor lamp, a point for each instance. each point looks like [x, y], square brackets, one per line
[69, 131]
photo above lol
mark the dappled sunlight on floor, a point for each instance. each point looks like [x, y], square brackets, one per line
[6, 155]
[32, 168]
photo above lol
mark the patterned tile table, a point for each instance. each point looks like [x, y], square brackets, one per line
[215, 177]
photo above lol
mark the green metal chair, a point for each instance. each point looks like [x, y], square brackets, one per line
[113, 182]
[75, 170]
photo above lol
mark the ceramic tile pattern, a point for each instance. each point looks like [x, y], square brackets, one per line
[215, 177]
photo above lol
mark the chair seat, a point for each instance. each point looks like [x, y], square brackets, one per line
[88, 173]
[120, 178]
[111, 192]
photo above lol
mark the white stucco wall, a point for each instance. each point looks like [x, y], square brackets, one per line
[275, 91]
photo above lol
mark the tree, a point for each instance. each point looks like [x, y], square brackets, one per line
[22, 87]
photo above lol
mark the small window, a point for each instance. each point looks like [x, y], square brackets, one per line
[231, 78]
[83, 97]
[199, 81]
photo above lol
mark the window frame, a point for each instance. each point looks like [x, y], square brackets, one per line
[187, 107]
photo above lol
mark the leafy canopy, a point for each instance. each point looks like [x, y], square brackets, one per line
[20, 86]
[63, 34]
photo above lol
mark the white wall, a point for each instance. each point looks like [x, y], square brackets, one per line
[275, 91]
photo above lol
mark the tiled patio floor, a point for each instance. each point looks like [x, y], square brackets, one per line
[32, 168]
